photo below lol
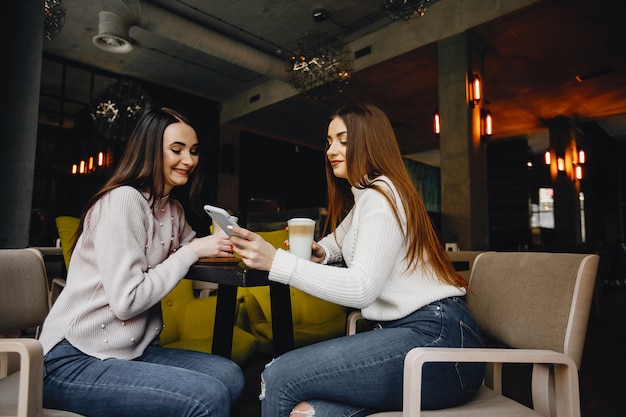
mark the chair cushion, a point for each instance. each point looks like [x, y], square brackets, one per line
[47, 412]
[67, 227]
[9, 394]
[173, 307]
[314, 319]
[314, 310]
[257, 320]
[9, 388]
[305, 308]
[486, 403]
[533, 278]
[275, 237]
[24, 291]
[244, 345]
[189, 324]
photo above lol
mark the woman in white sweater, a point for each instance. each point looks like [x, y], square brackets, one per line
[101, 337]
[396, 273]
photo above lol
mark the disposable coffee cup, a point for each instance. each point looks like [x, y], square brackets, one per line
[301, 233]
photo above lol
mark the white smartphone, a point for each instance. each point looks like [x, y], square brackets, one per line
[222, 218]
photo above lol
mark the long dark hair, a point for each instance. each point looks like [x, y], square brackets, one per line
[371, 151]
[141, 165]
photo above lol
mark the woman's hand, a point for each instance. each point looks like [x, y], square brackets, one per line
[212, 246]
[255, 252]
[318, 254]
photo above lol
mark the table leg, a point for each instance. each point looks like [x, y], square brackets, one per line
[282, 326]
[224, 320]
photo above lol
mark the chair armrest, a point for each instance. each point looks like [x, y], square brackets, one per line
[30, 352]
[352, 321]
[355, 323]
[56, 286]
[565, 372]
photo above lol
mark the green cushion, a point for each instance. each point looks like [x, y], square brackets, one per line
[189, 324]
[259, 326]
[275, 237]
[67, 227]
[244, 345]
[173, 307]
[314, 310]
[314, 319]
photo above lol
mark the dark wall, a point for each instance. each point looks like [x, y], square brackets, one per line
[603, 185]
[507, 178]
[57, 192]
[273, 170]
[512, 185]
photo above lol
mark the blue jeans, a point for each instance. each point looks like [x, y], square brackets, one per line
[362, 374]
[162, 382]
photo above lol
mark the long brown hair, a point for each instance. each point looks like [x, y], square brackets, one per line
[141, 165]
[371, 151]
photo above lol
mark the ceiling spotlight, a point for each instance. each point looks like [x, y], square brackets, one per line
[319, 15]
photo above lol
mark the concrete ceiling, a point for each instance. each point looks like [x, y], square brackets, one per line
[232, 50]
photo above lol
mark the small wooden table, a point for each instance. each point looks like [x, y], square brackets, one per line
[227, 273]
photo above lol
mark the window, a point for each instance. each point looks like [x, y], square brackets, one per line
[581, 205]
[542, 214]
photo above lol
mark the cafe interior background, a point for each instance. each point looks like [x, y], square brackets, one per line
[548, 76]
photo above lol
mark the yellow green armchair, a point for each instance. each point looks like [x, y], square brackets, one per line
[67, 227]
[189, 324]
[313, 319]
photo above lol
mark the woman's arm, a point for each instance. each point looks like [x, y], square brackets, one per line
[372, 249]
[137, 265]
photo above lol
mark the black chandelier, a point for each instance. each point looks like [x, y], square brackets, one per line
[114, 111]
[53, 17]
[321, 65]
[406, 9]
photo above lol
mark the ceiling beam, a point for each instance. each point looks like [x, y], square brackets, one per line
[443, 19]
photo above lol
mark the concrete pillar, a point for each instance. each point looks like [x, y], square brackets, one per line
[464, 208]
[20, 95]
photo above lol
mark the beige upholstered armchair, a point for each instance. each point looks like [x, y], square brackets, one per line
[24, 304]
[532, 308]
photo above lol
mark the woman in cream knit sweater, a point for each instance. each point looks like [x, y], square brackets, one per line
[396, 273]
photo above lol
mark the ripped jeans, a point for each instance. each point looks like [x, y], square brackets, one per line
[354, 376]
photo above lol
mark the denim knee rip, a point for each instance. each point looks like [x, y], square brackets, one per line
[262, 394]
[309, 413]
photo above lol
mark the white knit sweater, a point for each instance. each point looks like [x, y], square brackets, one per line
[126, 260]
[373, 247]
